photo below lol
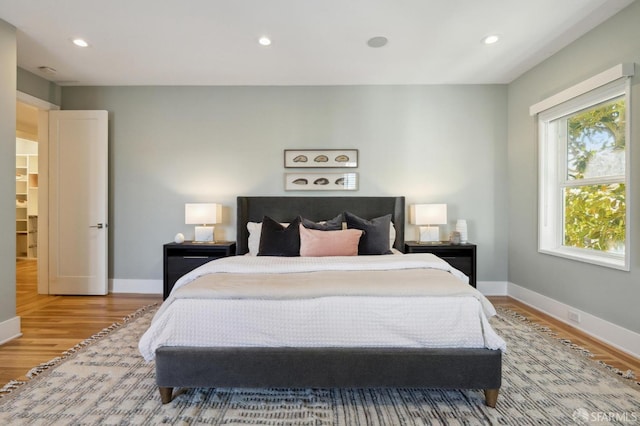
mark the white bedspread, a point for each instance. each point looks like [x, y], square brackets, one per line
[449, 314]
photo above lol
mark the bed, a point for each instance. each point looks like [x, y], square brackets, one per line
[293, 365]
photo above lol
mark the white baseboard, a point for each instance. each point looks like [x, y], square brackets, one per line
[492, 288]
[135, 286]
[9, 329]
[619, 337]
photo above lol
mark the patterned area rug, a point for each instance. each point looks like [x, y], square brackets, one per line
[104, 381]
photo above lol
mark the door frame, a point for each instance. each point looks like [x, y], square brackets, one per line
[43, 185]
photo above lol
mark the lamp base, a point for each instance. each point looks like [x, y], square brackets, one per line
[204, 234]
[429, 235]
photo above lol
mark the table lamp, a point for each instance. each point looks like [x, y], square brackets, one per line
[205, 215]
[428, 217]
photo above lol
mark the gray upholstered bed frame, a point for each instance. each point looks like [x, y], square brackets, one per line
[285, 209]
[326, 367]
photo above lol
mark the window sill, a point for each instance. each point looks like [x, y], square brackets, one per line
[588, 256]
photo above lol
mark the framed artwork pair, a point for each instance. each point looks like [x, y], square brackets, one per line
[321, 158]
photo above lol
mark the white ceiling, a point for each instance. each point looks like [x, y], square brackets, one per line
[322, 42]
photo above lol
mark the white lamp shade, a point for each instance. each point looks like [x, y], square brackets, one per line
[202, 213]
[428, 214]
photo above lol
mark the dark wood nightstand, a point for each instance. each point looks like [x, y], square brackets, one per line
[180, 258]
[460, 256]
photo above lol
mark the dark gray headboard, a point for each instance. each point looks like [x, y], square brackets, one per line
[285, 209]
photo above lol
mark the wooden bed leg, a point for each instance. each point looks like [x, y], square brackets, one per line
[491, 397]
[165, 394]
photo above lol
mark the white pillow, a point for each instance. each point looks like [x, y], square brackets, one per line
[392, 235]
[255, 229]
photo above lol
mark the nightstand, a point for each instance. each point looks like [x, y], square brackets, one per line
[180, 258]
[460, 256]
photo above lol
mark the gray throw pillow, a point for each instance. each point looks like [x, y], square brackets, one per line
[334, 224]
[375, 239]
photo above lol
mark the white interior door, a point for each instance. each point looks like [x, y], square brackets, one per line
[78, 202]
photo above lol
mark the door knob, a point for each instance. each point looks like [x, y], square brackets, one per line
[99, 226]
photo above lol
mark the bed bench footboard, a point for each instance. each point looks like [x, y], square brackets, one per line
[329, 368]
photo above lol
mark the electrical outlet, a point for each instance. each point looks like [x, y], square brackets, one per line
[574, 316]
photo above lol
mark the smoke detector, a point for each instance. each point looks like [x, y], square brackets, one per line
[47, 70]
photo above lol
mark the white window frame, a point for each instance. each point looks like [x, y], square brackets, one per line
[552, 165]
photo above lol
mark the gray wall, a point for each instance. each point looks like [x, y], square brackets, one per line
[38, 87]
[607, 293]
[171, 145]
[7, 169]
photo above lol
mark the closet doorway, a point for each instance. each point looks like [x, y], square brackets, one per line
[31, 130]
[27, 184]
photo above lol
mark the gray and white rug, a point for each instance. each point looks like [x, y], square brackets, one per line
[104, 381]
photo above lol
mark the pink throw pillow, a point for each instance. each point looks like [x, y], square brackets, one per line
[329, 243]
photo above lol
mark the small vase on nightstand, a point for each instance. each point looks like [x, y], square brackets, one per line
[461, 227]
[455, 238]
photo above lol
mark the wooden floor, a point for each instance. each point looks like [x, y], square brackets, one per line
[601, 351]
[53, 324]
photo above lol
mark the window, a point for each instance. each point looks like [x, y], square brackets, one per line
[584, 176]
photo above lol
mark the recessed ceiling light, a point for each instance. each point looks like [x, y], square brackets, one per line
[80, 42]
[490, 39]
[265, 41]
[377, 41]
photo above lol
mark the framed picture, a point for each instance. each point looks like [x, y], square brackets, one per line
[321, 181]
[320, 158]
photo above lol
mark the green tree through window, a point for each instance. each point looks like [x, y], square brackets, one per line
[594, 189]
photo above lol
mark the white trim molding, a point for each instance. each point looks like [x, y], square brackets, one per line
[619, 337]
[36, 102]
[9, 330]
[605, 77]
[135, 286]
